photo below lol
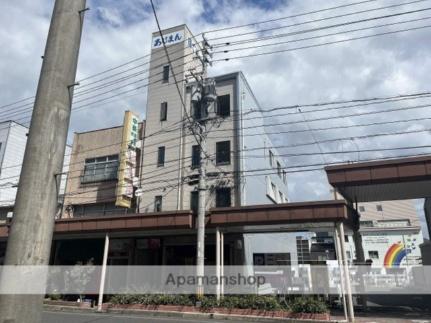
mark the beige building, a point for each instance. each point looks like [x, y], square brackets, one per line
[93, 173]
[171, 153]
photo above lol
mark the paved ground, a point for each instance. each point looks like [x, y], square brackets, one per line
[69, 317]
[393, 317]
[65, 317]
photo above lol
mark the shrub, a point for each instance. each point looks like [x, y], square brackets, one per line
[54, 297]
[308, 305]
[256, 302]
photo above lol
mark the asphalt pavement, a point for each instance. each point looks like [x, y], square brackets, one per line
[70, 317]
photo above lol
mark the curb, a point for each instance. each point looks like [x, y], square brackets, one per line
[185, 315]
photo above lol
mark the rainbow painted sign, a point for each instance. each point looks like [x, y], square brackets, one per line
[395, 254]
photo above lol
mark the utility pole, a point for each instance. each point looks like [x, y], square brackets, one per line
[207, 96]
[30, 236]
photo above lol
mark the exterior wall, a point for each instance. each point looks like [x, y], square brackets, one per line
[66, 163]
[270, 243]
[427, 211]
[13, 139]
[391, 210]
[225, 131]
[382, 240]
[256, 186]
[13, 148]
[396, 223]
[91, 144]
[164, 180]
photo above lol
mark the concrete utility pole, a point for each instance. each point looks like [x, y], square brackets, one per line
[31, 233]
[200, 256]
[207, 96]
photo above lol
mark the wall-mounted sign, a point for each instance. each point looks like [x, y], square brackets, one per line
[170, 39]
[127, 166]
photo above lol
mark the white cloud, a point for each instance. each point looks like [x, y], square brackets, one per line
[115, 33]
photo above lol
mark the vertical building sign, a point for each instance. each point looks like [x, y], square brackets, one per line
[127, 165]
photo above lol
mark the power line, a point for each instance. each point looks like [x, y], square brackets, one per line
[320, 45]
[288, 17]
[317, 37]
[327, 18]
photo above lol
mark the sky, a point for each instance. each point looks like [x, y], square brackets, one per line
[118, 31]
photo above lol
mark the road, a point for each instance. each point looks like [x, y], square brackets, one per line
[67, 317]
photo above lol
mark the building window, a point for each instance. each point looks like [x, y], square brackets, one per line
[379, 207]
[164, 111]
[223, 153]
[362, 209]
[372, 254]
[346, 238]
[284, 177]
[161, 157]
[271, 158]
[279, 171]
[100, 169]
[223, 105]
[165, 74]
[196, 156]
[97, 209]
[223, 198]
[194, 201]
[158, 203]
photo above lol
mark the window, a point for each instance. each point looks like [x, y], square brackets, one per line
[223, 153]
[271, 158]
[158, 203]
[199, 111]
[194, 201]
[97, 209]
[279, 172]
[223, 105]
[100, 169]
[161, 157]
[165, 74]
[223, 197]
[284, 177]
[372, 254]
[164, 111]
[362, 209]
[379, 207]
[196, 156]
[346, 238]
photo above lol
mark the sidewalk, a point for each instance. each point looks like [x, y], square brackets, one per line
[384, 315]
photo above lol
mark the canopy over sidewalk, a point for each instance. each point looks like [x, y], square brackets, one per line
[394, 179]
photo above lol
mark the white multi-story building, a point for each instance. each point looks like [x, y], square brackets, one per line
[242, 168]
[13, 139]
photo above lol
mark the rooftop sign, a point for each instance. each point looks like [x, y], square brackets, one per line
[170, 39]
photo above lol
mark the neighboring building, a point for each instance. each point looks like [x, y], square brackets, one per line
[391, 233]
[93, 174]
[171, 159]
[13, 139]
